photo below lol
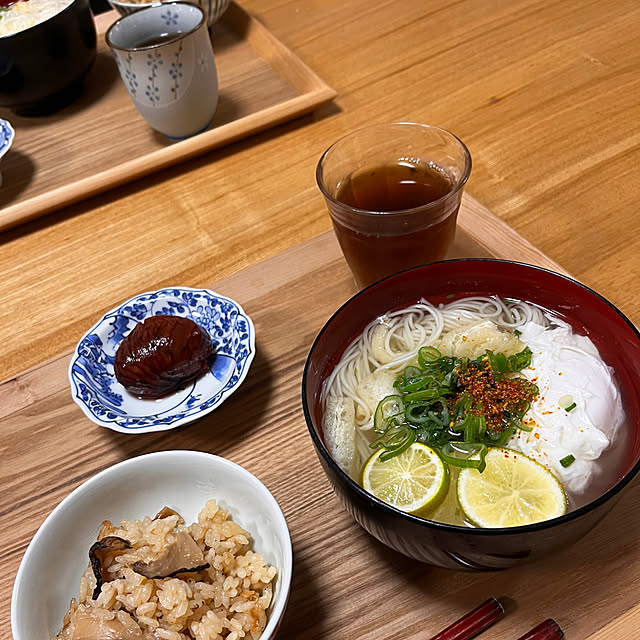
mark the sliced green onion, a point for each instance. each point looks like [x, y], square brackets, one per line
[428, 355]
[417, 413]
[567, 461]
[472, 429]
[423, 394]
[565, 401]
[521, 360]
[416, 383]
[500, 438]
[517, 333]
[411, 372]
[389, 407]
[400, 441]
[524, 427]
[571, 407]
[440, 418]
[464, 454]
[482, 426]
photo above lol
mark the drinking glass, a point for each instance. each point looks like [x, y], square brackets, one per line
[393, 192]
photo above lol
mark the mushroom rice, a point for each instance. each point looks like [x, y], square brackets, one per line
[158, 579]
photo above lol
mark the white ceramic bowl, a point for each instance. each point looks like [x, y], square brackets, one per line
[53, 563]
[213, 9]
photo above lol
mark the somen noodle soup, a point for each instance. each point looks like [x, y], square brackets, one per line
[476, 383]
[24, 14]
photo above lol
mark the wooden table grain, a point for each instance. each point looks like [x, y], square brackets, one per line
[547, 97]
[345, 583]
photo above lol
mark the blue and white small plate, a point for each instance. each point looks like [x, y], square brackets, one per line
[7, 134]
[104, 400]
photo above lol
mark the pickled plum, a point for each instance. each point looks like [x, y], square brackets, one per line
[160, 354]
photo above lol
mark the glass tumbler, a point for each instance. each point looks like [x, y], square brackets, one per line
[393, 192]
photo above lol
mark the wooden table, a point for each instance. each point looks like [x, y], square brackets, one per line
[547, 97]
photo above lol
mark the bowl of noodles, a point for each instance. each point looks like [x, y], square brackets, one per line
[47, 47]
[475, 414]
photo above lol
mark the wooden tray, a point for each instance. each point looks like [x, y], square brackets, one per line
[346, 585]
[101, 140]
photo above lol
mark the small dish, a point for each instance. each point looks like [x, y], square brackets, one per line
[107, 403]
[7, 134]
[130, 490]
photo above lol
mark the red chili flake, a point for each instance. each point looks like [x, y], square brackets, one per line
[536, 436]
[498, 397]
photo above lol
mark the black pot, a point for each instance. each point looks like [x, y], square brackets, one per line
[42, 68]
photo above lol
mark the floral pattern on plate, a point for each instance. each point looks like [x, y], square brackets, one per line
[7, 134]
[104, 400]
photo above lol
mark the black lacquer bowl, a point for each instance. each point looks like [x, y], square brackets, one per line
[42, 68]
[457, 547]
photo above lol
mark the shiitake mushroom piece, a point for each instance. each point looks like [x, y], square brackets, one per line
[98, 553]
[162, 353]
[167, 512]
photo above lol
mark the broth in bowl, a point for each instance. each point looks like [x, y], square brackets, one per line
[515, 411]
[594, 347]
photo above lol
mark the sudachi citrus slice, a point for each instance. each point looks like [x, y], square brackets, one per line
[513, 490]
[415, 481]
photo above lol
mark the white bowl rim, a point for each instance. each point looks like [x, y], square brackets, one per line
[284, 572]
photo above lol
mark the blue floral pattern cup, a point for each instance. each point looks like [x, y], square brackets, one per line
[166, 61]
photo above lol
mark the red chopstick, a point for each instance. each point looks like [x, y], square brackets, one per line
[474, 622]
[547, 630]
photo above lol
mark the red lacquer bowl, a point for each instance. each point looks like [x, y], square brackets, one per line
[459, 547]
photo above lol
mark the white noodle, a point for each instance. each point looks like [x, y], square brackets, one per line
[408, 330]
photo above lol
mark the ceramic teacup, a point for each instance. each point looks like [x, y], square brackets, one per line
[166, 61]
